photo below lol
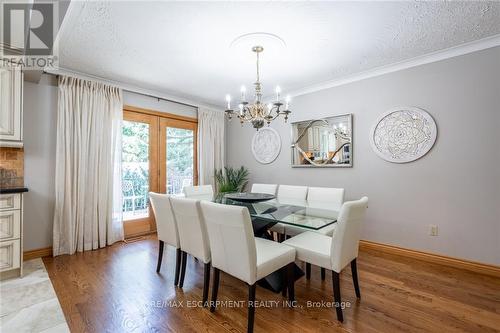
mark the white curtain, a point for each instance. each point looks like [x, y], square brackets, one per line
[88, 172]
[210, 144]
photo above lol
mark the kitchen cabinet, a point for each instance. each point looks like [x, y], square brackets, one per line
[11, 225]
[11, 107]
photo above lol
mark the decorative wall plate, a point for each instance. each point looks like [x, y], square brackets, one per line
[403, 134]
[266, 145]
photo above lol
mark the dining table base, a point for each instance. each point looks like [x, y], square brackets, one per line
[273, 281]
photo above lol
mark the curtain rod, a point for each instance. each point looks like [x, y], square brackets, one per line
[135, 91]
[161, 98]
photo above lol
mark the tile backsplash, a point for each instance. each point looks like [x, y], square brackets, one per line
[11, 166]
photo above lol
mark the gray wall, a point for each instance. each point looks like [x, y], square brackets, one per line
[456, 185]
[40, 118]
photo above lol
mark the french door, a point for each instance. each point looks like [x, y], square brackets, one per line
[177, 155]
[158, 155]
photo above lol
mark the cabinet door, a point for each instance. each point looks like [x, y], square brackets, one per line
[10, 224]
[11, 104]
[10, 255]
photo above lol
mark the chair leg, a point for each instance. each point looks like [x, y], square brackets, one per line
[308, 271]
[323, 274]
[160, 255]
[336, 295]
[178, 254]
[291, 282]
[215, 289]
[183, 269]
[284, 274]
[206, 283]
[354, 270]
[251, 307]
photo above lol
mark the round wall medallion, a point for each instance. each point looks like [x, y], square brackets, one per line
[266, 145]
[403, 134]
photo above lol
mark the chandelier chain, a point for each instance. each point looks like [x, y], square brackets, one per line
[258, 71]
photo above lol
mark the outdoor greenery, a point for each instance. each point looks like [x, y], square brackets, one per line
[231, 180]
[135, 142]
[179, 159]
[135, 163]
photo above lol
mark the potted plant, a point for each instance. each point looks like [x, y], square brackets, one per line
[231, 180]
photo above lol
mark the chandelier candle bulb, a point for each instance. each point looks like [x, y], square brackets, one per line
[287, 100]
[256, 112]
[269, 107]
[243, 93]
[278, 92]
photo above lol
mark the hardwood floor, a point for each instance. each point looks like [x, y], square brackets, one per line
[117, 289]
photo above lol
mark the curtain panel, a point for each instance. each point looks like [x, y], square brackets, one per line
[87, 212]
[211, 144]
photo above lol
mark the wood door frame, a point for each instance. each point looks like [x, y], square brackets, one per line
[157, 156]
[159, 113]
[143, 225]
[177, 123]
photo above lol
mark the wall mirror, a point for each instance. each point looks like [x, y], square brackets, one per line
[325, 142]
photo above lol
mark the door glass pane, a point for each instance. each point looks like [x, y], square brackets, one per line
[135, 170]
[180, 159]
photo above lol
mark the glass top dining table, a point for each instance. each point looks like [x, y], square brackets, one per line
[300, 213]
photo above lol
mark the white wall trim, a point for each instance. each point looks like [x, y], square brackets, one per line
[132, 88]
[451, 52]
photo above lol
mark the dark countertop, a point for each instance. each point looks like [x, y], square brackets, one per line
[12, 189]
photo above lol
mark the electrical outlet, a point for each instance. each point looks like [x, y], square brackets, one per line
[433, 230]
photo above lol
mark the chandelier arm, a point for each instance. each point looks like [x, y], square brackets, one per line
[276, 116]
[247, 116]
[244, 114]
[257, 113]
[272, 118]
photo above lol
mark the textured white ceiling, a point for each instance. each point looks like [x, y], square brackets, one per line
[183, 48]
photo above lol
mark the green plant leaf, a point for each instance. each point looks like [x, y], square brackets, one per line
[231, 180]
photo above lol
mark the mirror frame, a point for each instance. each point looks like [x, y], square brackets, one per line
[292, 145]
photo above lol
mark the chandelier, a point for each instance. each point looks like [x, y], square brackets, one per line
[256, 112]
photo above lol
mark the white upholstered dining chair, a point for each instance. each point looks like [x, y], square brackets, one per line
[193, 237]
[291, 192]
[166, 228]
[333, 196]
[291, 195]
[202, 192]
[264, 188]
[237, 252]
[335, 253]
[321, 197]
[278, 228]
[325, 198]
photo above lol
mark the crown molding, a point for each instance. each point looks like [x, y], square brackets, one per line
[132, 88]
[455, 51]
